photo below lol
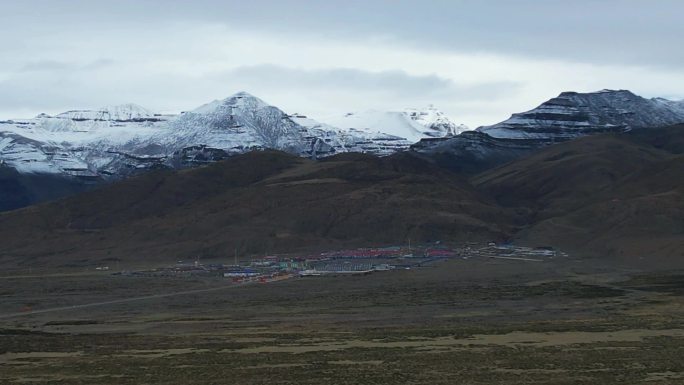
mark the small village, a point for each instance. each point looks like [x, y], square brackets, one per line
[360, 261]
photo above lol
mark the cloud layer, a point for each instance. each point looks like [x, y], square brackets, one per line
[478, 61]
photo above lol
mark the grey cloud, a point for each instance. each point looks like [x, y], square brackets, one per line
[646, 33]
[98, 64]
[398, 83]
[45, 65]
[54, 66]
[309, 91]
[42, 92]
[62, 54]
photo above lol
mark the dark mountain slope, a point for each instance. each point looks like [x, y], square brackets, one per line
[567, 175]
[644, 219]
[612, 195]
[259, 202]
[472, 152]
[20, 190]
[670, 138]
[607, 195]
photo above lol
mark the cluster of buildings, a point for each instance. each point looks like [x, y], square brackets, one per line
[510, 251]
[342, 262]
[350, 261]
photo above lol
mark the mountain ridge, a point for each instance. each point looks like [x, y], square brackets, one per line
[255, 202]
[573, 114]
[569, 116]
[118, 140]
[612, 196]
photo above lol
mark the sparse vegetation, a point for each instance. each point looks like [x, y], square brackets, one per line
[477, 321]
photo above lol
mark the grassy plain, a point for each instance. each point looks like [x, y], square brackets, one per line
[476, 321]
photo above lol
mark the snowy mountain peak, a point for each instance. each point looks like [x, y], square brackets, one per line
[241, 99]
[573, 114]
[236, 124]
[121, 112]
[243, 94]
[436, 121]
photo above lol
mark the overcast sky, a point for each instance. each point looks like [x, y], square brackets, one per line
[478, 60]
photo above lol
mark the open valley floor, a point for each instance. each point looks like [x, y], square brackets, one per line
[472, 321]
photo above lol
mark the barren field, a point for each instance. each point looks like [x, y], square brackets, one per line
[476, 321]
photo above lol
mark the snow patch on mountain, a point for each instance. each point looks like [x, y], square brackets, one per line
[29, 156]
[672, 105]
[411, 125]
[122, 112]
[354, 140]
[436, 122]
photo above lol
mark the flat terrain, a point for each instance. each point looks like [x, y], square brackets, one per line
[475, 321]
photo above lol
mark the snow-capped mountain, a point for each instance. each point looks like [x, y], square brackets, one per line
[116, 141]
[76, 143]
[119, 140]
[437, 124]
[565, 117]
[411, 124]
[243, 122]
[573, 114]
[235, 124]
[354, 140]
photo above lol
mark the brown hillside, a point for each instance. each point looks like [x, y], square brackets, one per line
[616, 196]
[258, 203]
[606, 196]
[568, 175]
